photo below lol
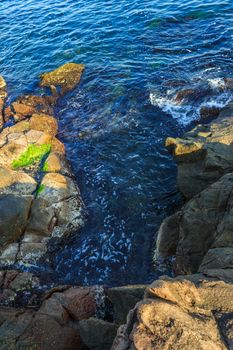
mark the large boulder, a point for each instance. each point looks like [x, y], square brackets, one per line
[54, 325]
[204, 154]
[190, 313]
[97, 334]
[201, 234]
[124, 299]
[65, 77]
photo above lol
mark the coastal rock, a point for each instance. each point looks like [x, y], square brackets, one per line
[3, 95]
[22, 111]
[39, 199]
[204, 154]
[41, 104]
[97, 334]
[209, 113]
[182, 313]
[202, 230]
[45, 123]
[54, 325]
[13, 219]
[65, 77]
[124, 299]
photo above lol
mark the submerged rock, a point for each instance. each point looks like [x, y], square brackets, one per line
[65, 77]
[209, 113]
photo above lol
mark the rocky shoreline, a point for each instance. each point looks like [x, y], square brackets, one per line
[41, 204]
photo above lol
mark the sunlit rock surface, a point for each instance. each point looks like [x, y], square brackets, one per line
[65, 77]
[204, 154]
[39, 198]
[183, 313]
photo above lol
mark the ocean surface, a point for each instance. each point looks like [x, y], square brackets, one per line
[138, 55]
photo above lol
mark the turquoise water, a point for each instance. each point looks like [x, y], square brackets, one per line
[138, 54]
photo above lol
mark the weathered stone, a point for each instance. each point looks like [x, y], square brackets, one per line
[2, 83]
[42, 104]
[9, 254]
[1, 112]
[44, 332]
[209, 113]
[34, 212]
[203, 231]
[168, 236]
[16, 182]
[22, 111]
[29, 253]
[66, 77]
[57, 146]
[124, 299]
[42, 218]
[204, 154]
[79, 302]
[179, 314]
[45, 123]
[57, 187]
[57, 163]
[13, 219]
[97, 334]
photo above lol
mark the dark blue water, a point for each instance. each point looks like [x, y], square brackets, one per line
[138, 54]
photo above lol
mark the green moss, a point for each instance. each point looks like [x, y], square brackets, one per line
[45, 167]
[40, 189]
[33, 154]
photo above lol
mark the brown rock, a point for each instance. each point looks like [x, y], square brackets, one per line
[42, 104]
[57, 146]
[184, 94]
[57, 163]
[79, 302]
[22, 111]
[179, 314]
[66, 77]
[45, 123]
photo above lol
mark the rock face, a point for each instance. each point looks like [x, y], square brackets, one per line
[195, 311]
[53, 326]
[201, 234]
[39, 198]
[182, 313]
[204, 154]
[65, 77]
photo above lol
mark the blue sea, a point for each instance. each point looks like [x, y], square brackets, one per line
[138, 55]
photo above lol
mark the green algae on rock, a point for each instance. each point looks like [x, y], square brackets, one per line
[40, 189]
[66, 77]
[33, 154]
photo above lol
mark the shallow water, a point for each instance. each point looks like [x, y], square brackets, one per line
[138, 54]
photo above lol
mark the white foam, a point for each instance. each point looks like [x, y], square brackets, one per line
[187, 113]
[184, 114]
[216, 83]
